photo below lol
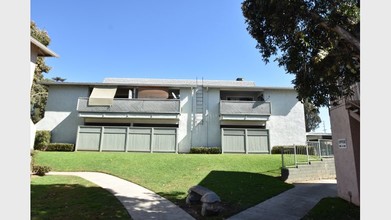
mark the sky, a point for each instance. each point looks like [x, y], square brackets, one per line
[172, 39]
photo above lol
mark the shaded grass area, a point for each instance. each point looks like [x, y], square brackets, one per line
[241, 181]
[333, 208]
[70, 197]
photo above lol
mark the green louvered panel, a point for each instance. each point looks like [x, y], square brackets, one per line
[233, 143]
[114, 139]
[257, 141]
[88, 138]
[139, 142]
[164, 140]
[139, 139]
[242, 140]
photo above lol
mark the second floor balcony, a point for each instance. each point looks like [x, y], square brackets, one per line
[245, 110]
[122, 107]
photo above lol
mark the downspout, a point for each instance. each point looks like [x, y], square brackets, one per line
[207, 116]
[192, 117]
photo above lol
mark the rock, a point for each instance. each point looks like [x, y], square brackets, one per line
[211, 202]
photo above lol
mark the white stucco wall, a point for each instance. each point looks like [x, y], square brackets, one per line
[196, 130]
[286, 124]
[61, 116]
[184, 127]
[213, 133]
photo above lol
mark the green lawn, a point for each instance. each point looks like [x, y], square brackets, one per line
[333, 209]
[241, 181]
[68, 197]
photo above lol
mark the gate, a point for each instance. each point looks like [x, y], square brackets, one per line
[127, 139]
[244, 140]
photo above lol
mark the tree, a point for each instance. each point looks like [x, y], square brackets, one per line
[58, 79]
[39, 93]
[317, 40]
[311, 116]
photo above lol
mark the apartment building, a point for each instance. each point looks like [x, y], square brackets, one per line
[173, 115]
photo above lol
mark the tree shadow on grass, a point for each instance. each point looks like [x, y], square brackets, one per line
[74, 201]
[237, 191]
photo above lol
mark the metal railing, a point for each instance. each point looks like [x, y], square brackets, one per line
[245, 107]
[294, 155]
[132, 105]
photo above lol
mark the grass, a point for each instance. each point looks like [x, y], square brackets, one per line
[69, 197]
[333, 208]
[241, 181]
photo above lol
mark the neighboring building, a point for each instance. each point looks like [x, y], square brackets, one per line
[167, 115]
[316, 136]
[345, 125]
[36, 50]
[322, 142]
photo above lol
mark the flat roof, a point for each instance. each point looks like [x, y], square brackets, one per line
[171, 85]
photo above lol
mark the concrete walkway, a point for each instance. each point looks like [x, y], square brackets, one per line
[292, 204]
[140, 203]
[143, 204]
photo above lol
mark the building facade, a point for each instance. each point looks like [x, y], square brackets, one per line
[167, 115]
[345, 125]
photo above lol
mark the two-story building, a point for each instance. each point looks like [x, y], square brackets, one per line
[172, 115]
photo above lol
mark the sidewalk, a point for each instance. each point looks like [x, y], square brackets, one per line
[143, 204]
[292, 204]
[140, 203]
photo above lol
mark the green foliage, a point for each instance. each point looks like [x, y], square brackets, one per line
[39, 92]
[40, 170]
[39, 34]
[205, 150]
[317, 41]
[42, 138]
[311, 116]
[58, 79]
[58, 147]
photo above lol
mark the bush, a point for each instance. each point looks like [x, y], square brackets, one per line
[32, 156]
[277, 149]
[40, 170]
[42, 138]
[58, 147]
[205, 150]
[300, 149]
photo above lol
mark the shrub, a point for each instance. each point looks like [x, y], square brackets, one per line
[205, 150]
[42, 138]
[58, 147]
[277, 149]
[32, 156]
[40, 170]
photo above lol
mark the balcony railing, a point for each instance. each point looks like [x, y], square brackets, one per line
[132, 106]
[255, 108]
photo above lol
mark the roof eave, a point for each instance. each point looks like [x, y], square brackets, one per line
[46, 52]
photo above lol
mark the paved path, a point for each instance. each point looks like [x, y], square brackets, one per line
[292, 204]
[143, 204]
[140, 203]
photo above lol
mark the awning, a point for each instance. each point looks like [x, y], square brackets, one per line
[102, 96]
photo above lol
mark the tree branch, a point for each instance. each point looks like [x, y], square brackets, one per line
[339, 30]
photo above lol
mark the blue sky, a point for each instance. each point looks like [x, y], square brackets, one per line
[154, 39]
